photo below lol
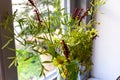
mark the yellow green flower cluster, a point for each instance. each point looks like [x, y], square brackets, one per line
[92, 33]
[61, 62]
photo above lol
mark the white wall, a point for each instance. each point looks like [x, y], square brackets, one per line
[107, 46]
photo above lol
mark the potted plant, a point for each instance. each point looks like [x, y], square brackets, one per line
[71, 51]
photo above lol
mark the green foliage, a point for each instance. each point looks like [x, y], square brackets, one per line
[28, 65]
[41, 33]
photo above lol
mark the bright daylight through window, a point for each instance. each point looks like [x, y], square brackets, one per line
[30, 69]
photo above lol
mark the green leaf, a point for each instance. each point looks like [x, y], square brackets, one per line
[11, 57]
[47, 62]
[7, 43]
[12, 49]
[14, 62]
[28, 58]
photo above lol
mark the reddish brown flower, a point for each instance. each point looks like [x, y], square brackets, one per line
[37, 15]
[32, 3]
[65, 49]
[75, 13]
[84, 15]
[79, 14]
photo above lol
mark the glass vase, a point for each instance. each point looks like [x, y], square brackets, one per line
[59, 77]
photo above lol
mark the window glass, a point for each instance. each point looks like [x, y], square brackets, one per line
[29, 69]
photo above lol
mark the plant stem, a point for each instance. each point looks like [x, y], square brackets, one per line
[49, 22]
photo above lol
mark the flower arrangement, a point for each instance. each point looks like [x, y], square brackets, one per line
[70, 50]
